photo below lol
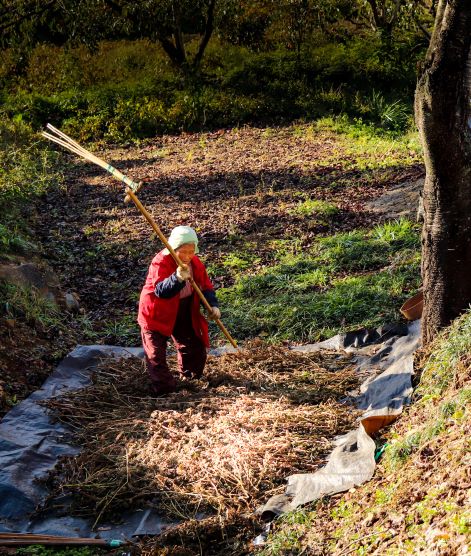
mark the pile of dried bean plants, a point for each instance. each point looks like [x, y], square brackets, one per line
[223, 443]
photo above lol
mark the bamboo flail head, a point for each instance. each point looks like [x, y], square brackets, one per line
[60, 138]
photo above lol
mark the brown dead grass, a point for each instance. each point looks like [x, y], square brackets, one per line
[219, 446]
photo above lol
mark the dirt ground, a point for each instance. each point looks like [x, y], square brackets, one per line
[237, 187]
[28, 354]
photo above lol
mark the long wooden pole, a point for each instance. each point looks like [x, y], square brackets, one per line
[24, 539]
[131, 189]
[176, 258]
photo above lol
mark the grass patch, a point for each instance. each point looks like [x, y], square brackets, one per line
[366, 146]
[289, 534]
[123, 331]
[26, 172]
[29, 305]
[444, 415]
[240, 261]
[345, 281]
[310, 207]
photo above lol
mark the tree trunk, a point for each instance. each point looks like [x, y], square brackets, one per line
[178, 35]
[208, 31]
[177, 57]
[385, 19]
[443, 116]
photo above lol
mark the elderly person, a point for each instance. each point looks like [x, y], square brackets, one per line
[168, 307]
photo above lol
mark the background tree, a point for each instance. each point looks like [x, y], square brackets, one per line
[169, 22]
[385, 14]
[388, 16]
[443, 115]
[296, 17]
[245, 23]
[260, 24]
[26, 23]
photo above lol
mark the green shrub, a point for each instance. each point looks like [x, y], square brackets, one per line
[54, 70]
[12, 240]
[128, 90]
[393, 115]
[145, 117]
[26, 172]
[25, 164]
[35, 109]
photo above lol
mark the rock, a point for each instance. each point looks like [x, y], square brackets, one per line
[71, 303]
[29, 275]
[401, 200]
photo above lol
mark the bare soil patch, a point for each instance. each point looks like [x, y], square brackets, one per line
[236, 187]
[28, 354]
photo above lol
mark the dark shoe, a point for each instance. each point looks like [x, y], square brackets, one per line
[188, 375]
[162, 389]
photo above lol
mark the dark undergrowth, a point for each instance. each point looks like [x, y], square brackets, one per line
[127, 91]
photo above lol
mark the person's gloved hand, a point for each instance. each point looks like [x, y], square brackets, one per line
[183, 273]
[216, 313]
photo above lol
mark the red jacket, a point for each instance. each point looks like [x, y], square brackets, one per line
[160, 314]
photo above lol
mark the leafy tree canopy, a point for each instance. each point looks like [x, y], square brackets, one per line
[258, 24]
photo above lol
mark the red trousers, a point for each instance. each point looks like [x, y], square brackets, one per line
[191, 352]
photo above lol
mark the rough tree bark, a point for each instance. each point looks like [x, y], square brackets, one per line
[443, 116]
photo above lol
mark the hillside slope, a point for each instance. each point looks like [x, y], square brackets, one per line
[419, 501]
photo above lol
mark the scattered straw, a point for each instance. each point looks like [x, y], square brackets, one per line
[223, 443]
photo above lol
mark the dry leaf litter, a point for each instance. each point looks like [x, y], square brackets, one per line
[218, 445]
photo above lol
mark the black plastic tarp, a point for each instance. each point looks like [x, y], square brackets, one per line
[31, 442]
[382, 396]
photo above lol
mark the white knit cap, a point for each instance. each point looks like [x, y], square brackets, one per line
[181, 235]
